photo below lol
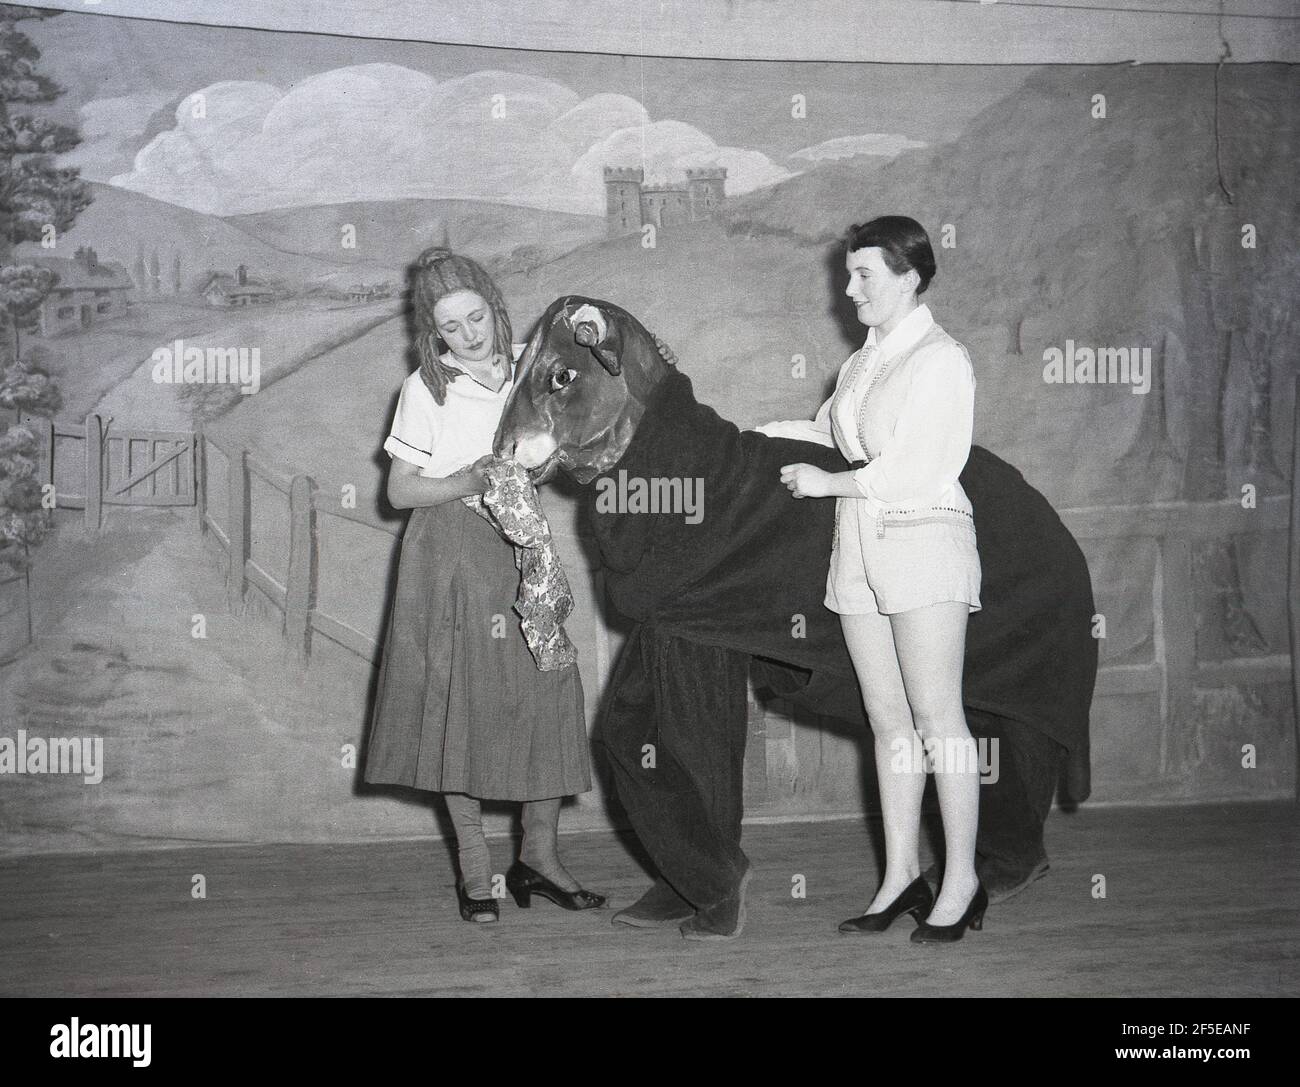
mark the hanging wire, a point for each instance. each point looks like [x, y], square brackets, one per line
[1225, 51]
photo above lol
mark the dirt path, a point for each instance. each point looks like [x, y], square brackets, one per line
[285, 337]
[216, 739]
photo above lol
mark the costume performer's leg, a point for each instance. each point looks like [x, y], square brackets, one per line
[675, 736]
[1009, 847]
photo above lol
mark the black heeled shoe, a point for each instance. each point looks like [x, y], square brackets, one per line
[916, 899]
[479, 910]
[524, 882]
[973, 918]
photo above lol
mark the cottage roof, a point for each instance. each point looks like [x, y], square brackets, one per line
[222, 283]
[75, 275]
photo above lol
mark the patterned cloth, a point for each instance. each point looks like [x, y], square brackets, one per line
[510, 504]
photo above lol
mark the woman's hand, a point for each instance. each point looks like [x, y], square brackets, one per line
[807, 481]
[477, 474]
[408, 489]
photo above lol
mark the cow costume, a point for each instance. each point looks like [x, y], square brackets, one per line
[710, 599]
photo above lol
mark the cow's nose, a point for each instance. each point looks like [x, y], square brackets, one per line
[534, 448]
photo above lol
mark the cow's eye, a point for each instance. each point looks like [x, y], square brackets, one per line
[561, 379]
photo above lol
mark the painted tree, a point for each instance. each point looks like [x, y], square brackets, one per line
[1244, 308]
[38, 202]
[1269, 335]
[1152, 445]
[176, 273]
[23, 522]
[23, 287]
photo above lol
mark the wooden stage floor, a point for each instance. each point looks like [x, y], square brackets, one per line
[1200, 901]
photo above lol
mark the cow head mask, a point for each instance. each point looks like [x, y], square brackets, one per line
[580, 390]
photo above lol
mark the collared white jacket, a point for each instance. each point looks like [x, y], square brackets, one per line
[906, 404]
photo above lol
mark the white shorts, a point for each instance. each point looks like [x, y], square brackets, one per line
[912, 565]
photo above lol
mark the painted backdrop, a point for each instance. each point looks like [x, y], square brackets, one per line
[1116, 248]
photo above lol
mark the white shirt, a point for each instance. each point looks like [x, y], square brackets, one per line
[920, 420]
[440, 438]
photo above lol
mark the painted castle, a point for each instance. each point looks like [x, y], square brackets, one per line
[630, 203]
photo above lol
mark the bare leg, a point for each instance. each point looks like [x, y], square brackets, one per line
[540, 849]
[870, 641]
[931, 643]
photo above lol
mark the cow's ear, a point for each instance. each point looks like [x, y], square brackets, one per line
[608, 358]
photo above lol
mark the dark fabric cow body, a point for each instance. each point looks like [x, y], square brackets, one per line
[745, 586]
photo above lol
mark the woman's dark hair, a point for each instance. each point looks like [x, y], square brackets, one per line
[903, 244]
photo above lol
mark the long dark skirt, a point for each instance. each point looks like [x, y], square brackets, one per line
[461, 708]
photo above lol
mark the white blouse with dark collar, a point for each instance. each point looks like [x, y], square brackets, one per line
[440, 438]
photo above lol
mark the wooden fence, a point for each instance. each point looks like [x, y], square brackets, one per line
[1172, 675]
[295, 597]
[133, 467]
[127, 466]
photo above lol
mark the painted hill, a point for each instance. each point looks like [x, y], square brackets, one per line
[119, 222]
[1114, 232]
[301, 246]
[393, 232]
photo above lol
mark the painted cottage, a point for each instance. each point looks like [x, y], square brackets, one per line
[87, 292]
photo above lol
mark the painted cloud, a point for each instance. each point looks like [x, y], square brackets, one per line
[887, 144]
[383, 131]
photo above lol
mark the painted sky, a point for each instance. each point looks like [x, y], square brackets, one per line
[228, 121]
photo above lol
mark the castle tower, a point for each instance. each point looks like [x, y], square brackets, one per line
[707, 186]
[623, 200]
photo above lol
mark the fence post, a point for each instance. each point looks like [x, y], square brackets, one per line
[300, 585]
[1293, 574]
[94, 472]
[237, 529]
[47, 452]
[15, 614]
[1178, 635]
[201, 475]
